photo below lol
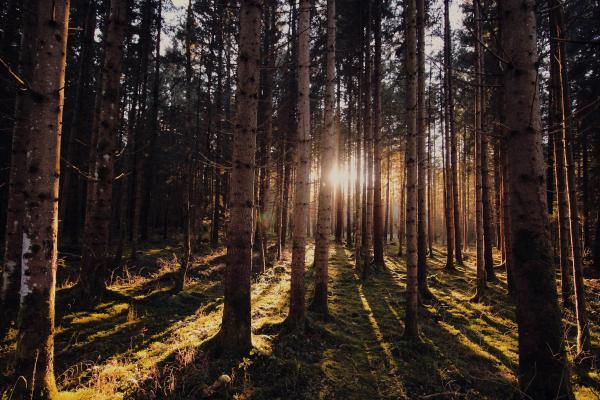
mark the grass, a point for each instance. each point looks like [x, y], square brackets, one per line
[143, 342]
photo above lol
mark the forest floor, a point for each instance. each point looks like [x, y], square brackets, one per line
[143, 342]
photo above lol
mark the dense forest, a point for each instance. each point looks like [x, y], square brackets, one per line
[300, 199]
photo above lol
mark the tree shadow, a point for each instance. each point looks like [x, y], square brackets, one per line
[448, 360]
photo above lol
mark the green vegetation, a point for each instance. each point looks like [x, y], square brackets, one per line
[144, 342]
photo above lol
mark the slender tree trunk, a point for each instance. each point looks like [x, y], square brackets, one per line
[35, 340]
[386, 220]
[82, 108]
[349, 221]
[559, 59]
[186, 170]
[10, 24]
[319, 301]
[454, 203]
[421, 156]
[11, 271]
[543, 368]
[479, 230]
[448, 199]
[377, 209]
[556, 127]
[486, 202]
[402, 207]
[410, 322]
[430, 177]
[154, 131]
[96, 238]
[367, 239]
[302, 162]
[448, 117]
[235, 334]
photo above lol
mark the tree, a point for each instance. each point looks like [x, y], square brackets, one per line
[186, 173]
[454, 203]
[560, 67]
[35, 343]
[421, 156]
[11, 271]
[448, 116]
[96, 238]
[410, 322]
[542, 359]
[556, 126]
[235, 336]
[479, 150]
[319, 301]
[378, 239]
[302, 164]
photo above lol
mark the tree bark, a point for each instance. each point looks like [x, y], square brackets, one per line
[410, 322]
[96, 238]
[479, 216]
[35, 340]
[448, 116]
[235, 334]
[543, 368]
[559, 59]
[319, 301]
[421, 156]
[302, 164]
[377, 207]
[11, 268]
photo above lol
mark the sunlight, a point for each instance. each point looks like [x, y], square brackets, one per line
[338, 176]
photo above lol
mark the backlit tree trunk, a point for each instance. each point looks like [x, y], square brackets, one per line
[559, 61]
[302, 163]
[319, 301]
[421, 155]
[479, 229]
[543, 368]
[45, 38]
[410, 322]
[448, 116]
[96, 238]
[235, 334]
[377, 207]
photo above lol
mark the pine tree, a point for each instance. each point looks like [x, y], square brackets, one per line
[35, 340]
[302, 164]
[319, 301]
[96, 238]
[542, 358]
[235, 336]
[411, 327]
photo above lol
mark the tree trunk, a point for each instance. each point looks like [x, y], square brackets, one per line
[68, 223]
[448, 116]
[454, 204]
[367, 237]
[386, 220]
[319, 301]
[302, 163]
[235, 335]
[154, 131]
[479, 223]
[421, 156]
[35, 340]
[410, 322]
[559, 59]
[543, 368]
[96, 238]
[377, 208]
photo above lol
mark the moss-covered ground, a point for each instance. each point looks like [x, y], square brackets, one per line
[144, 342]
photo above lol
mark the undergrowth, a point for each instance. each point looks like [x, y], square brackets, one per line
[143, 342]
